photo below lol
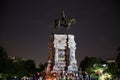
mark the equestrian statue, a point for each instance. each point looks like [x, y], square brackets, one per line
[63, 22]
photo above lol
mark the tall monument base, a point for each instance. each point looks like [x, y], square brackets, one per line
[62, 62]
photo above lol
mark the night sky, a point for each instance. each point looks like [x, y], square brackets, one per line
[25, 32]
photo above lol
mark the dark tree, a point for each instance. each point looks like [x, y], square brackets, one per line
[29, 67]
[3, 60]
[3, 53]
[89, 62]
[118, 61]
[42, 66]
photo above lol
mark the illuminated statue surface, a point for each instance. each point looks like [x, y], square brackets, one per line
[62, 49]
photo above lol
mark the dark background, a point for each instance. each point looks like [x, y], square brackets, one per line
[25, 32]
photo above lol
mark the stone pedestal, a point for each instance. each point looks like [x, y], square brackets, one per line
[61, 54]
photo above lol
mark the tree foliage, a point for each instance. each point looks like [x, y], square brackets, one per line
[3, 53]
[118, 61]
[3, 59]
[42, 66]
[18, 67]
[89, 62]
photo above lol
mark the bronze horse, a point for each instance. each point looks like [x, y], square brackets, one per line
[63, 22]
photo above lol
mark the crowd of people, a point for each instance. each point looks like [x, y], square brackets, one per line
[64, 76]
